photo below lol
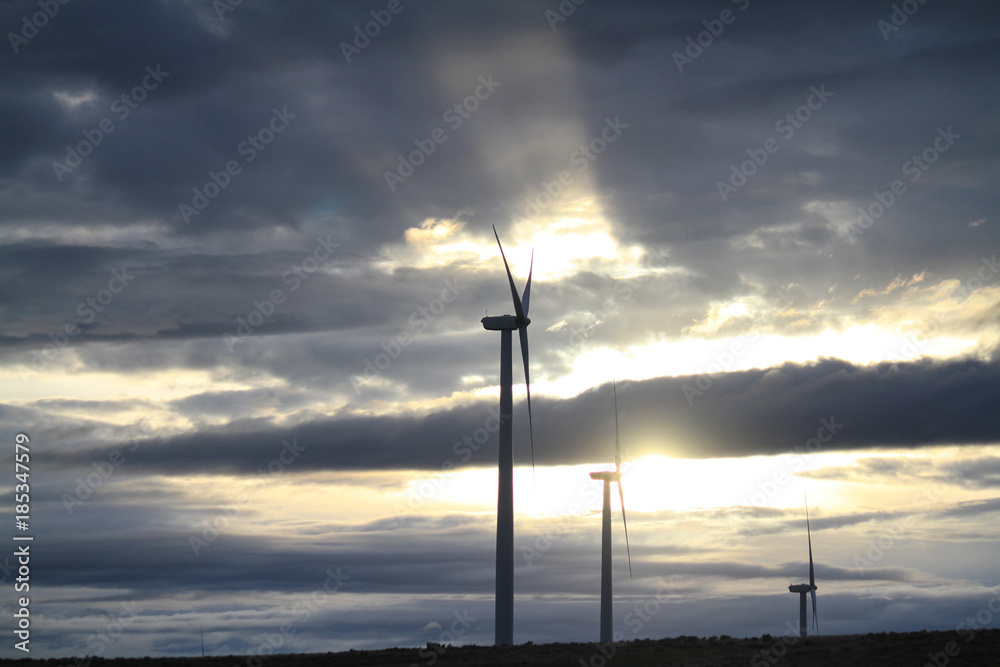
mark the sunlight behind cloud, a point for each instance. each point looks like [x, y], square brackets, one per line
[718, 316]
[655, 483]
[563, 247]
[71, 384]
[835, 481]
[860, 344]
[432, 231]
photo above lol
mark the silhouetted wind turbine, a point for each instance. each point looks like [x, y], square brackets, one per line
[505, 495]
[802, 589]
[607, 623]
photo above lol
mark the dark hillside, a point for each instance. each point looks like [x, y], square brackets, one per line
[914, 649]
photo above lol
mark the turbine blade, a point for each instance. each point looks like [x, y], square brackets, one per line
[523, 332]
[815, 620]
[618, 449]
[621, 495]
[513, 290]
[527, 287]
[812, 573]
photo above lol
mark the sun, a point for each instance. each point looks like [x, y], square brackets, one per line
[657, 483]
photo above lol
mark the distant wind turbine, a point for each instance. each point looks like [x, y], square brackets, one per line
[802, 589]
[505, 495]
[607, 623]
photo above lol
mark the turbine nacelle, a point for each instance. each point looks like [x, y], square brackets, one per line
[502, 322]
[607, 476]
[801, 588]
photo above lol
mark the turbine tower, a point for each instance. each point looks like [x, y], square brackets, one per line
[607, 622]
[802, 589]
[505, 324]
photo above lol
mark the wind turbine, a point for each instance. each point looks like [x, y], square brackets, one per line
[802, 589]
[505, 494]
[607, 623]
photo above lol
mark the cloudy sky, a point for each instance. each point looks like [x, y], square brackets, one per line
[246, 247]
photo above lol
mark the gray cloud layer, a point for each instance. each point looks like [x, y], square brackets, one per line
[118, 120]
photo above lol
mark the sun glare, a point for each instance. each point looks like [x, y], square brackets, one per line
[652, 483]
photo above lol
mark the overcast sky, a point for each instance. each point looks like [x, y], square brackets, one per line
[245, 249]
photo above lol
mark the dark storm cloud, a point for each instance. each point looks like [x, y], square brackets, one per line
[828, 406]
[225, 76]
[165, 557]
